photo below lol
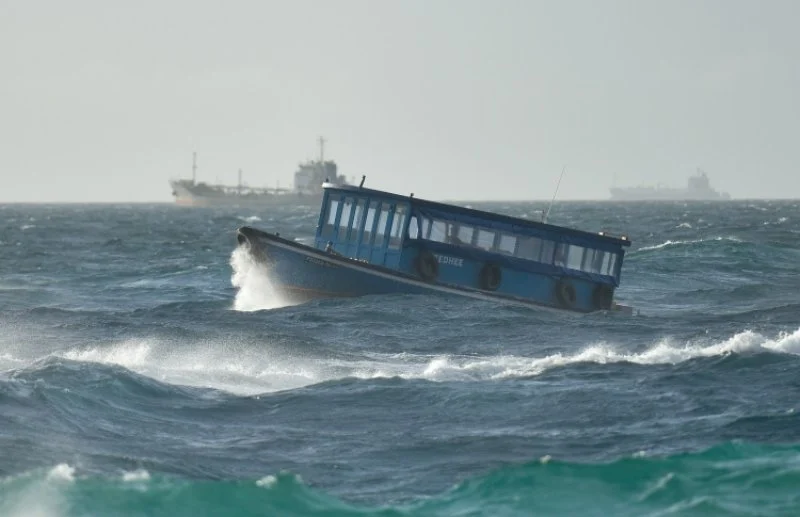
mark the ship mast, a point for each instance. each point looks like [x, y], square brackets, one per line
[194, 168]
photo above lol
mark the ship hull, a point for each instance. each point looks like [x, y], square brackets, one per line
[185, 197]
[288, 200]
[623, 194]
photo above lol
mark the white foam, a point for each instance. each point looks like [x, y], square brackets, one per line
[8, 360]
[130, 354]
[449, 368]
[267, 481]
[250, 218]
[255, 290]
[788, 343]
[62, 472]
[664, 245]
[229, 366]
[136, 475]
[248, 368]
[670, 243]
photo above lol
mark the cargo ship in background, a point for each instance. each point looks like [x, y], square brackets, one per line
[698, 188]
[307, 188]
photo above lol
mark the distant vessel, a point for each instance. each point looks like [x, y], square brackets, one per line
[698, 188]
[307, 188]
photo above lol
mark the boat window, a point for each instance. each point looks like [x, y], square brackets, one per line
[586, 260]
[451, 234]
[530, 248]
[426, 226]
[610, 264]
[358, 216]
[330, 218]
[438, 231]
[596, 264]
[344, 219]
[396, 236]
[560, 258]
[370, 222]
[574, 257]
[548, 250]
[413, 228]
[612, 269]
[460, 234]
[383, 219]
[484, 239]
[507, 244]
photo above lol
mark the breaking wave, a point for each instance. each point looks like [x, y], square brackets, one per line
[248, 368]
[671, 243]
[727, 479]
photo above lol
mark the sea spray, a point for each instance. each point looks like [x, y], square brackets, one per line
[255, 290]
[245, 368]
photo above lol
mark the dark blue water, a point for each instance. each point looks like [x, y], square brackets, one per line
[147, 369]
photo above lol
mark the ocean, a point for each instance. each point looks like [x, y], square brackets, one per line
[147, 369]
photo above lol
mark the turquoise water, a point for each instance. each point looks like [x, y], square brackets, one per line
[147, 369]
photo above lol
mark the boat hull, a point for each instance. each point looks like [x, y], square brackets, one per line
[301, 273]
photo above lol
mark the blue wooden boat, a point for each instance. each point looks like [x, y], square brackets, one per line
[373, 242]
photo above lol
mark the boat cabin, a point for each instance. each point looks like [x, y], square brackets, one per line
[458, 246]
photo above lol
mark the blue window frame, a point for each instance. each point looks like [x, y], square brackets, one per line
[369, 222]
[398, 221]
[381, 230]
[331, 214]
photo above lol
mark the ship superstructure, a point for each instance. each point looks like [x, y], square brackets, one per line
[698, 188]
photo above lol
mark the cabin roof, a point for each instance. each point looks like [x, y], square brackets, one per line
[471, 212]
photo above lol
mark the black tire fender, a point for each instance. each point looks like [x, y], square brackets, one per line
[490, 276]
[565, 293]
[426, 266]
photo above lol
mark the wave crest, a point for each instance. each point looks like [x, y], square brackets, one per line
[671, 243]
[750, 478]
[251, 368]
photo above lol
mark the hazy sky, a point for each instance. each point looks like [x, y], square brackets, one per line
[105, 101]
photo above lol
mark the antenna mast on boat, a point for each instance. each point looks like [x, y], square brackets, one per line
[547, 213]
[194, 168]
